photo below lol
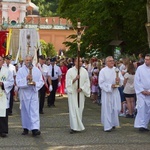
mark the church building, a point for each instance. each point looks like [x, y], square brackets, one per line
[23, 14]
[15, 11]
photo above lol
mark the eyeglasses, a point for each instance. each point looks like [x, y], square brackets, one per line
[110, 60]
[147, 59]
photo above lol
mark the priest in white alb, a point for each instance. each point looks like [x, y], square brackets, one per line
[75, 110]
[110, 96]
[29, 84]
[142, 89]
[6, 84]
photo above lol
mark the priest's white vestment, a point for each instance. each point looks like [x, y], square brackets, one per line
[28, 95]
[7, 78]
[75, 112]
[110, 98]
[142, 83]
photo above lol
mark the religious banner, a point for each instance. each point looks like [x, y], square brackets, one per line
[8, 41]
[28, 43]
[3, 41]
[14, 43]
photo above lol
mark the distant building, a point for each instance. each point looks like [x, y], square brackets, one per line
[12, 11]
[24, 13]
[17, 14]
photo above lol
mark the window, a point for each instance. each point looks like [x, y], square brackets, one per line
[13, 22]
[13, 8]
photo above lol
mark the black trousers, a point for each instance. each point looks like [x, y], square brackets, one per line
[51, 97]
[42, 93]
[11, 100]
[4, 123]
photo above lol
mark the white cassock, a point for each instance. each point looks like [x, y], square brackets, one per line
[28, 95]
[12, 68]
[7, 78]
[110, 97]
[75, 112]
[142, 83]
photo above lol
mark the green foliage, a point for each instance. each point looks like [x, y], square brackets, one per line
[47, 8]
[51, 52]
[47, 49]
[108, 20]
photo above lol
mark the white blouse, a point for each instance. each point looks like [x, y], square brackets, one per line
[129, 87]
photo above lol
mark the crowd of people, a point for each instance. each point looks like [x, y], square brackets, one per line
[120, 87]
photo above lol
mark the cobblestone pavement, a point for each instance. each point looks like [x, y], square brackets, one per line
[55, 132]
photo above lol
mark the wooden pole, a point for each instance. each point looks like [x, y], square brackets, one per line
[78, 73]
[78, 56]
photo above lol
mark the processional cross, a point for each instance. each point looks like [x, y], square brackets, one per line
[79, 31]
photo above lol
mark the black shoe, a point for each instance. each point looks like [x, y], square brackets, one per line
[41, 112]
[113, 127]
[53, 105]
[143, 129]
[36, 132]
[108, 130]
[129, 116]
[3, 135]
[132, 116]
[25, 132]
[72, 131]
[9, 114]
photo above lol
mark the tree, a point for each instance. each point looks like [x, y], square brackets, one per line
[47, 8]
[47, 49]
[109, 20]
[50, 50]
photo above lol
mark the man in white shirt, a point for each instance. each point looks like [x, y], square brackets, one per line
[45, 89]
[54, 75]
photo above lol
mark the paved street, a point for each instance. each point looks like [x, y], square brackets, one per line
[55, 132]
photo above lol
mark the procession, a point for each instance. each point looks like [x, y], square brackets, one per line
[101, 81]
[74, 75]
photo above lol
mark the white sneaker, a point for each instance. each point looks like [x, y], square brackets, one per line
[122, 115]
